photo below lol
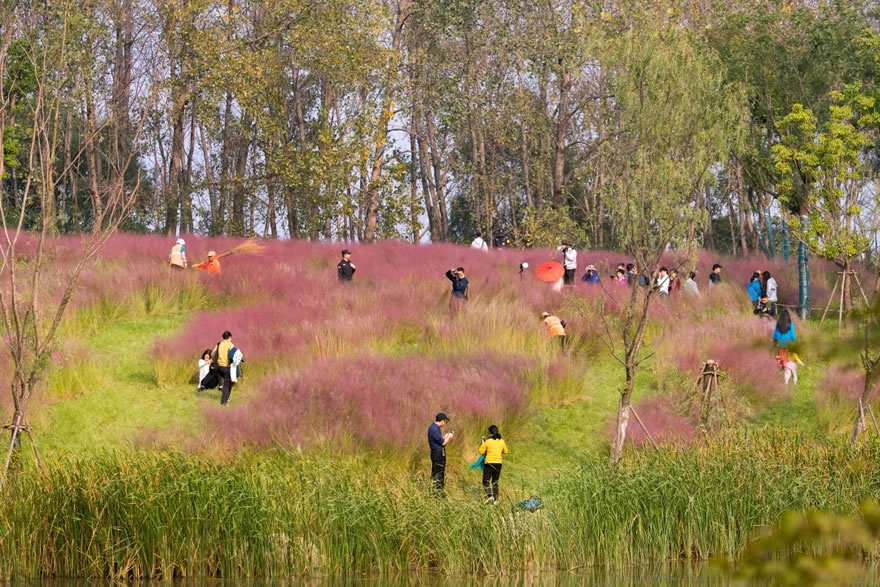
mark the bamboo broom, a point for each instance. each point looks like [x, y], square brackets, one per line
[248, 247]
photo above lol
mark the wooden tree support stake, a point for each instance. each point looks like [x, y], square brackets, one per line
[18, 429]
[642, 424]
[709, 385]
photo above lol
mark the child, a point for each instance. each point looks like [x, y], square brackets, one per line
[788, 362]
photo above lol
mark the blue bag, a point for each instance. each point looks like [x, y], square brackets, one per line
[531, 504]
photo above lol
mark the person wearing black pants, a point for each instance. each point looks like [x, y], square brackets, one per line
[227, 384]
[491, 475]
[437, 442]
[220, 354]
[493, 447]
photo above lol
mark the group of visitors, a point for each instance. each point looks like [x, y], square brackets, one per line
[491, 451]
[665, 281]
[221, 367]
[763, 293]
[177, 259]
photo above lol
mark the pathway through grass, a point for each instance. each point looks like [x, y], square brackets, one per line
[126, 401]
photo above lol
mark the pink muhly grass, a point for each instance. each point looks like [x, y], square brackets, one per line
[843, 384]
[375, 401]
[663, 421]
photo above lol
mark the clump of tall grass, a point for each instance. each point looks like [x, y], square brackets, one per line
[379, 401]
[145, 515]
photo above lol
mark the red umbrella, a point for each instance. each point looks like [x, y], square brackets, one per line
[549, 271]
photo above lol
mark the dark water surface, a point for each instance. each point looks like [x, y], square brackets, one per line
[679, 574]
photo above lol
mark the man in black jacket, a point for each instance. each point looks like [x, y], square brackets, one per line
[345, 269]
[459, 284]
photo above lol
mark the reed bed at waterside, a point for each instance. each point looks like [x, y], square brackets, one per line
[148, 515]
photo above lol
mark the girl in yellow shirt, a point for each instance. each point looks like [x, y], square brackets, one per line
[493, 447]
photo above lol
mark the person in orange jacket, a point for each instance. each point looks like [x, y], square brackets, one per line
[212, 265]
[555, 327]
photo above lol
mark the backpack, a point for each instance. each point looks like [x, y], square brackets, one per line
[531, 504]
[781, 358]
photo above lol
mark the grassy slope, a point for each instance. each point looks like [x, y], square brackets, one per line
[125, 399]
[123, 405]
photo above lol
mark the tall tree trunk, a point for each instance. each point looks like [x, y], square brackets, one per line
[429, 191]
[785, 242]
[122, 66]
[186, 208]
[218, 225]
[771, 236]
[211, 180]
[372, 212]
[413, 181]
[562, 118]
[72, 193]
[237, 217]
[176, 170]
[439, 175]
[92, 164]
[804, 300]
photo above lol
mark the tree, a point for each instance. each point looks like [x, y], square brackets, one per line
[824, 168]
[674, 118]
[784, 53]
[30, 312]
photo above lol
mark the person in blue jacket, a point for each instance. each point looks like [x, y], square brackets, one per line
[591, 277]
[784, 334]
[755, 288]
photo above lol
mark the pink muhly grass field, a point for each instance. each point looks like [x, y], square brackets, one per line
[376, 401]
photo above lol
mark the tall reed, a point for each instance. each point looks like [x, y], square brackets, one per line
[140, 515]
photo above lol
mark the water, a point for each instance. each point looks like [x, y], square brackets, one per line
[683, 574]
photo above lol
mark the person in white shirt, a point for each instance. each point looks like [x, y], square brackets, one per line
[770, 293]
[569, 262]
[663, 282]
[480, 244]
[204, 371]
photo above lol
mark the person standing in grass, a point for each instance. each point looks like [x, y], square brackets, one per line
[755, 289]
[212, 265]
[493, 447]
[555, 327]
[480, 244]
[715, 276]
[769, 294]
[569, 262]
[221, 356]
[437, 442]
[690, 284]
[674, 281]
[177, 256]
[459, 285]
[345, 268]
[662, 282]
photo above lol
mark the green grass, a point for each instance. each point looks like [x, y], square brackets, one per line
[122, 400]
[138, 515]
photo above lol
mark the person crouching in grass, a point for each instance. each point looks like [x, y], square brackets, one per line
[555, 327]
[493, 447]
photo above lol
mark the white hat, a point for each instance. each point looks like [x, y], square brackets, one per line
[180, 241]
